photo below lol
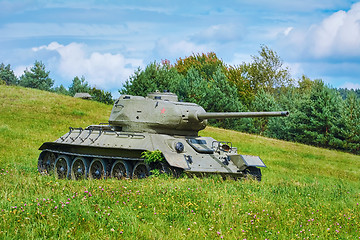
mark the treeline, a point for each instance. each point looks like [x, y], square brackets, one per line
[319, 115]
[37, 77]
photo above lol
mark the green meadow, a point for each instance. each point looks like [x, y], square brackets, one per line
[305, 192]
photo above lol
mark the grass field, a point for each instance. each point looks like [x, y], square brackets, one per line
[306, 192]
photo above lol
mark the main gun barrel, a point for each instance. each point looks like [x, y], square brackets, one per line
[223, 115]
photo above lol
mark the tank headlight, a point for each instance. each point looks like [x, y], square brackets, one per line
[179, 147]
[225, 147]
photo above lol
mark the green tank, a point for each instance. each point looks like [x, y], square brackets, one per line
[140, 124]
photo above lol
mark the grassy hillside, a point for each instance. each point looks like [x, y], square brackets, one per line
[306, 192]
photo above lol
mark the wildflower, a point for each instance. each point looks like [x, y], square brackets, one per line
[113, 230]
[188, 229]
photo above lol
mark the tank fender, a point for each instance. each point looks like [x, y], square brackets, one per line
[244, 161]
[46, 145]
[173, 149]
[176, 160]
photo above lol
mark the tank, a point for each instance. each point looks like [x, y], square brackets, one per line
[141, 124]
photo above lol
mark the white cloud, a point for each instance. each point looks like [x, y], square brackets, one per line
[336, 35]
[168, 49]
[103, 70]
[287, 31]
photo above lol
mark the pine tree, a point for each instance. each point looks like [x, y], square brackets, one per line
[37, 77]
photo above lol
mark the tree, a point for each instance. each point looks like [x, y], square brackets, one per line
[265, 72]
[79, 85]
[101, 96]
[205, 64]
[316, 116]
[61, 90]
[214, 95]
[155, 77]
[288, 128]
[7, 75]
[37, 77]
[245, 90]
[263, 102]
[351, 116]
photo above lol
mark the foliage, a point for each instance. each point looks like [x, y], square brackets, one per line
[152, 156]
[7, 75]
[344, 92]
[79, 85]
[316, 116]
[245, 89]
[265, 72]
[37, 77]
[205, 64]
[101, 96]
[214, 95]
[351, 130]
[263, 102]
[61, 90]
[156, 76]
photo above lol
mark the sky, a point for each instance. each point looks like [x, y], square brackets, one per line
[106, 41]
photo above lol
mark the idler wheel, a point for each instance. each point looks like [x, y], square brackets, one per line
[120, 170]
[97, 169]
[141, 170]
[62, 167]
[79, 168]
[46, 164]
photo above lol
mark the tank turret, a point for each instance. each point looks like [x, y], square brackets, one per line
[162, 113]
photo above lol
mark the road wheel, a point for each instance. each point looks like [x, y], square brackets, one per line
[79, 168]
[120, 170]
[97, 169]
[62, 167]
[141, 170]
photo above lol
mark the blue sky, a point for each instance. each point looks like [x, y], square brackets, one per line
[105, 41]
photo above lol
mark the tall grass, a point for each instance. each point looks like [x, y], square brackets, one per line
[306, 192]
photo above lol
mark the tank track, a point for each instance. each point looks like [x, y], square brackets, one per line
[65, 165]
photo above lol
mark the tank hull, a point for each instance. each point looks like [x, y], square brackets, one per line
[96, 152]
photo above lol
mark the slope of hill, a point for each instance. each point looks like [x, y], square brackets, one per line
[306, 192]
